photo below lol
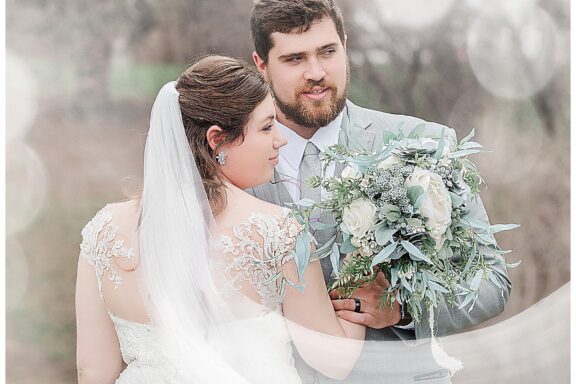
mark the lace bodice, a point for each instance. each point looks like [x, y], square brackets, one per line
[99, 246]
[257, 250]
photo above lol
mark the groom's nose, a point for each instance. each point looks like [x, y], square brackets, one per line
[314, 70]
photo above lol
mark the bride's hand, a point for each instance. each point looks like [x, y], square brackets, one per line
[370, 315]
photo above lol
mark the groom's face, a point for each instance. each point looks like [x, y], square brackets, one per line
[308, 73]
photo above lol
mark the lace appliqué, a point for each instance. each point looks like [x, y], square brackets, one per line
[260, 263]
[99, 253]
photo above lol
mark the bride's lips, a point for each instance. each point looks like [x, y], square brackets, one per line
[274, 159]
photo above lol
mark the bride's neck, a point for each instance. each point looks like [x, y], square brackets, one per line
[233, 195]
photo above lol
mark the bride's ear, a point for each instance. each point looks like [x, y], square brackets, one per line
[214, 136]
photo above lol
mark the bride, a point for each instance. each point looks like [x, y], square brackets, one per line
[196, 281]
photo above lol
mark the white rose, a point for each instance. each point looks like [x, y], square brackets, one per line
[350, 173]
[436, 204]
[389, 161]
[358, 217]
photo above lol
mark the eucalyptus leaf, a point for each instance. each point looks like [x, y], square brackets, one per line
[469, 145]
[388, 136]
[385, 208]
[393, 276]
[513, 265]
[324, 249]
[476, 280]
[393, 216]
[384, 235]
[335, 258]
[464, 152]
[493, 279]
[417, 131]
[468, 136]
[414, 252]
[299, 287]
[485, 239]
[347, 246]
[384, 254]
[303, 251]
[502, 227]
[437, 287]
[457, 200]
[414, 222]
[445, 253]
[406, 284]
[273, 278]
[414, 192]
[400, 130]
[441, 144]
[471, 258]
[305, 202]
[469, 297]
[431, 294]
[318, 226]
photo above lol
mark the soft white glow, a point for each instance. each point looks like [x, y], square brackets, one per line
[513, 56]
[415, 14]
[26, 184]
[21, 101]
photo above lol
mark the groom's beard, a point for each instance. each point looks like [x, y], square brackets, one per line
[312, 113]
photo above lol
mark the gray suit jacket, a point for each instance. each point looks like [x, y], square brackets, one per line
[368, 126]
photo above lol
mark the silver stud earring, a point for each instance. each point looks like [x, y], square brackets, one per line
[221, 157]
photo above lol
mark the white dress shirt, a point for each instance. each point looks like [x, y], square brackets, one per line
[291, 153]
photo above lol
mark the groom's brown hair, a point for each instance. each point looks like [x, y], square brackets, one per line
[289, 16]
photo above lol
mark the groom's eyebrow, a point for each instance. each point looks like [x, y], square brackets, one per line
[304, 53]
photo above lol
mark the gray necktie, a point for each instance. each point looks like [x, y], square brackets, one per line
[312, 166]
[309, 166]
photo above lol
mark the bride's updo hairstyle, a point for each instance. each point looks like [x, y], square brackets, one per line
[222, 91]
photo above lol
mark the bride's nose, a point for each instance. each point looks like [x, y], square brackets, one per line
[279, 141]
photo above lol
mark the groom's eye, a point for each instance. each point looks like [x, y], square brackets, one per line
[329, 52]
[294, 59]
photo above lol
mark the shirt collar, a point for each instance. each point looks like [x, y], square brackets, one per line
[324, 137]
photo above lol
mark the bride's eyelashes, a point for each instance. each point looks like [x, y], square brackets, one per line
[268, 127]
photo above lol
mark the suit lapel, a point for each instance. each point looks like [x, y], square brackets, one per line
[357, 124]
[273, 192]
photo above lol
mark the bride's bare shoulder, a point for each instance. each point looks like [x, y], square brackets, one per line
[124, 210]
[263, 207]
[122, 215]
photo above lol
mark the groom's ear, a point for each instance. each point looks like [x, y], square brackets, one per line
[260, 64]
[214, 136]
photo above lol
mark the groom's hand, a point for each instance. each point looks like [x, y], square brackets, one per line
[370, 315]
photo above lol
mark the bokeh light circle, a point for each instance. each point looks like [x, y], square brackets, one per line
[26, 184]
[414, 14]
[513, 57]
[21, 97]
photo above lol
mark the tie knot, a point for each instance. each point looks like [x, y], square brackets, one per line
[311, 149]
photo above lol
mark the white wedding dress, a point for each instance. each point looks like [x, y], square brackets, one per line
[257, 248]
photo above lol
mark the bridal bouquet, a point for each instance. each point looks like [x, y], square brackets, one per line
[404, 210]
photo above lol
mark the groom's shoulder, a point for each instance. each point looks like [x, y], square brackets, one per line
[381, 121]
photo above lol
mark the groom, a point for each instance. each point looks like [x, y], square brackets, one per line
[300, 48]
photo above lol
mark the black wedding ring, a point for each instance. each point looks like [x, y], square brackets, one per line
[357, 305]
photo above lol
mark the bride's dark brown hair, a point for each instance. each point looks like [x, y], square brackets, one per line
[222, 91]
